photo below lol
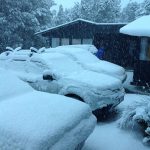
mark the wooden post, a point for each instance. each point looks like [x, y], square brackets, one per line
[70, 41]
[50, 41]
[60, 41]
[81, 40]
[144, 48]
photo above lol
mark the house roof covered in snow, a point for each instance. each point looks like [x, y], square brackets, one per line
[139, 27]
[80, 25]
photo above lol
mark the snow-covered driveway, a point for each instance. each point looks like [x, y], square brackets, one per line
[108, 136]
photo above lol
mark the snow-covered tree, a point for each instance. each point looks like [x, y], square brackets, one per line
[75, 12]
[87, 9]
[20, 19]
[130, 12]
[109, 11]
[100, 11]
[146, 7]
[60, 18]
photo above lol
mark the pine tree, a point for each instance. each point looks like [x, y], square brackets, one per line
[101, 11]
[20, 19]
[60, 18]
[130, 12]
[146, 6]
[75, 12]
[87, 9]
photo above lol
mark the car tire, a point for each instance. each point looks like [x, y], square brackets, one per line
[103, 113]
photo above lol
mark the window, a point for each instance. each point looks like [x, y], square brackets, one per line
[87, 41]
[76, 41]
[145, 49]
[55, 42]
[65, 41]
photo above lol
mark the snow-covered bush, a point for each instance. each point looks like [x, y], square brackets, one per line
[137, 115]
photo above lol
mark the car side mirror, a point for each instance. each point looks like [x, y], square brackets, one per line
[48, 77]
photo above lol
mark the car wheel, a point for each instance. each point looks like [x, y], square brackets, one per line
[103, 113]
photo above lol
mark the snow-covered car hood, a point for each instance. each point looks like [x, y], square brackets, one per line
[108, 68]
[98, 81]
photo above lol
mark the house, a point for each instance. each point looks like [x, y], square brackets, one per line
[117, 46]
[140, 28]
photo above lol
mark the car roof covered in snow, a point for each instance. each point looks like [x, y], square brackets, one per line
[139, 27]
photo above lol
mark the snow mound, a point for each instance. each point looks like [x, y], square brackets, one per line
[136, 113]
[139, 27]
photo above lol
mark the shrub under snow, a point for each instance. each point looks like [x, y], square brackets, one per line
[137, 114]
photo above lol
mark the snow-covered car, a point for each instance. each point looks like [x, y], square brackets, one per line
[58, 73]
[33, 120]
[83, 55]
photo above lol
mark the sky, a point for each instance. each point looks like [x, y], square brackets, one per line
[70, 3]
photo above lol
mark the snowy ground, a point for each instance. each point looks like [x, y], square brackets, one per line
[108, 136]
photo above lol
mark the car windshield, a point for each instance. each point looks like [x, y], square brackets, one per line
[59, 63]
[79, 54]
[85, 57]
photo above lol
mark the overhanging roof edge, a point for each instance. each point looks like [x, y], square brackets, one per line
[75, 21]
